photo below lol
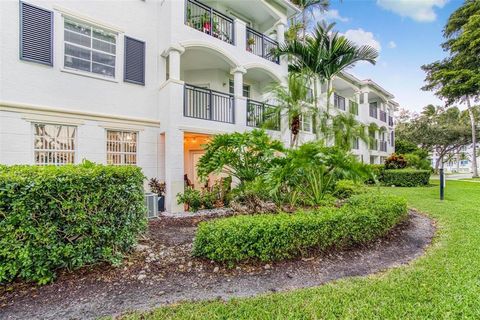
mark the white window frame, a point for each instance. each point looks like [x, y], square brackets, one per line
[118, 50]
[123, 153]
[75, 143]
[302, 123]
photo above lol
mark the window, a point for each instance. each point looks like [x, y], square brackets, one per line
[392, 138]
[89, 49]
[353, 107]
[54, 144]
[373, 110]
[306, 123]
[356, 144]
[339, 102]
[121, 147]
[246, 89]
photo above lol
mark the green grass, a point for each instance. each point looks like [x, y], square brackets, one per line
[444, 284]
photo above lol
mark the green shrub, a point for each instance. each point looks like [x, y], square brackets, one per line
[376, 173]
[406, 177]
[347, 188]
[395, 161]
[192, 198]
[416, 162]
[67, 217]
[269, 237]
[306, 174]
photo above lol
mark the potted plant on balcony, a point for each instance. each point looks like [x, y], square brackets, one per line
[250, 44]
[206, 24]
[158, 188]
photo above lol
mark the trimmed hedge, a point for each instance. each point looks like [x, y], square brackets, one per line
[269, 237]
[67, 217]
[406, 177]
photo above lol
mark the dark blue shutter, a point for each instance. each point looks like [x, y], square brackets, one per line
[134, 61]
[36, 34]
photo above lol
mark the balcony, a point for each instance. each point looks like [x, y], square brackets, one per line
[383, 116]
[383, 146]
[390, 121]
[373, 144]
[261, 45]
[210, 21]
[262, 115]
[206, 104]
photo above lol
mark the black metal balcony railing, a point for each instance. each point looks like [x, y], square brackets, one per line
[262, 45]
[390, 121]
[373, 144]
[383, 146]
[208, 104]
[210, 21]
[383, 116]
[262, 115]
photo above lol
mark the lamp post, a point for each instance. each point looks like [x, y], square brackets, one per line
[442, 183]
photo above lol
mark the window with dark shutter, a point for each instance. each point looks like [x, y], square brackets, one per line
[36, 34]
[134, 61]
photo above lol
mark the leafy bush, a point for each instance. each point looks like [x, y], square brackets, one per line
[376, 173]
[192, 198]
[416, 162]
[67, 217]
[242, 155]
[395, 161]
[208, 198]
[347, 188]
[281, 236]
[406, 177]
[306, 174]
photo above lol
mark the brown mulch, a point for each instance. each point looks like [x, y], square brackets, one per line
[162, 271]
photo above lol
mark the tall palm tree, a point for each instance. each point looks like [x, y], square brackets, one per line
[307, 7]
[325, 54]
[294, 102]
[346, 129]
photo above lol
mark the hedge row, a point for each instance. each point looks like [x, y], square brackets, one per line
[67, 217]
[406, 177]
[281, 236]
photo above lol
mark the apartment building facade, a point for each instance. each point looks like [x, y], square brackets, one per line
[147, 83]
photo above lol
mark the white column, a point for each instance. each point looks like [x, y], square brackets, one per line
[238, 73]
[281, 40]
[240, 101]
[174, 170]
[173, 53]
[281, 32]
[240, 34]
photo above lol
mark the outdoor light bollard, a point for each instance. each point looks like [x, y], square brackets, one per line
[442, 184]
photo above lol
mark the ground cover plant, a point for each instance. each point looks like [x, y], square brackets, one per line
[441, 285]
[268, 237]
[67, 217]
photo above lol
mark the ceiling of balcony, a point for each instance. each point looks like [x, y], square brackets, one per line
[203, 58]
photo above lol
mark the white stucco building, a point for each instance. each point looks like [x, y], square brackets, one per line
[147, 82]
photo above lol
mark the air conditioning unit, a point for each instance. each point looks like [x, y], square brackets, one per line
[151, 202]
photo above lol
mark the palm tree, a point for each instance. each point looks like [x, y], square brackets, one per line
[325, 54]
[293, 101]
[346, 129]
[307, 7]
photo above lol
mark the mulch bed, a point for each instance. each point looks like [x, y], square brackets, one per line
[161, 271]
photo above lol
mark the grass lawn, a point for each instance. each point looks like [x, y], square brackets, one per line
[444, 284]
